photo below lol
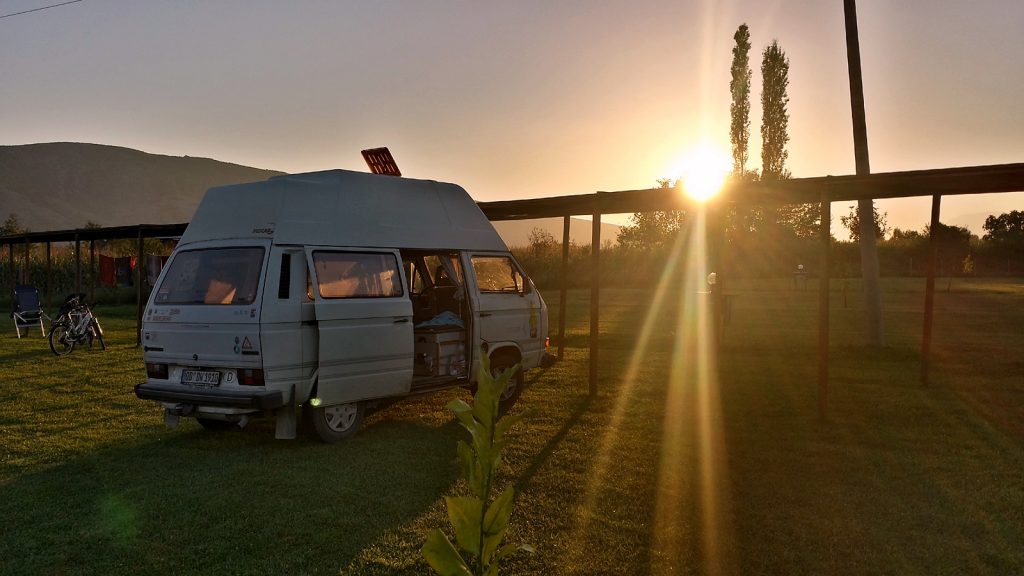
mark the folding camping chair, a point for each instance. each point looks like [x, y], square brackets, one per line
[27, 310]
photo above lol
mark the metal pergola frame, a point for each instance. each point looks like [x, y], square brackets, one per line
[824, 190]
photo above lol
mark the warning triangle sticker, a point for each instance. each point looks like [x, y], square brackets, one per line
[246, 345]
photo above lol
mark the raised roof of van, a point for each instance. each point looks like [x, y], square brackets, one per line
[343, 208]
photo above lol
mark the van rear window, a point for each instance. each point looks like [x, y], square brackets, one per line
[212, 276]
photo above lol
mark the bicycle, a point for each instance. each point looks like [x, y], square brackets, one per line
[75, 325]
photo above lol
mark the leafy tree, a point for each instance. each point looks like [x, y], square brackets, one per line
[651, 230]
[1007, 228]
[950, 237]
[774, 116]
[800, 219]
[852, 223]
[541, 240]
[739, 86]
[898, 235]
[12, 226]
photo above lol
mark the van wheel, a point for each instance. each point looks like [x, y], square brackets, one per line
[338, 422]
[214, 424]
[515, 384]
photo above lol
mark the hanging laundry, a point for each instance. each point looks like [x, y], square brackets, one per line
[124, 271]
[108, 271]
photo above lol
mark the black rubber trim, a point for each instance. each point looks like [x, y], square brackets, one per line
[261, 399]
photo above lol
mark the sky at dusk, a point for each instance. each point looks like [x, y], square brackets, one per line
[517, 99]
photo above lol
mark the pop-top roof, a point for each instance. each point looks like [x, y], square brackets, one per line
[343, 208]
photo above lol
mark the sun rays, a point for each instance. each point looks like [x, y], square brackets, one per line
[691, 476]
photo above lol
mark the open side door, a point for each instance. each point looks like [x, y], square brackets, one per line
[364, 318]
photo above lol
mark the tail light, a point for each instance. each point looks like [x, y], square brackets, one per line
[156, 371]
[547, 343]
[248, 377]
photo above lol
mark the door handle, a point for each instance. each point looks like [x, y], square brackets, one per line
[484, 314]
[401, 320]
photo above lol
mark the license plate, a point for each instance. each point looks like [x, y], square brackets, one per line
[200, 378]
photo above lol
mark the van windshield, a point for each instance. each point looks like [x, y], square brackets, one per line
[212, 276]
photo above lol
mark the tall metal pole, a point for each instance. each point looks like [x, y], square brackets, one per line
[595, 293]
[929, 290]
[562, 296]
[865, 208]
[823, 304]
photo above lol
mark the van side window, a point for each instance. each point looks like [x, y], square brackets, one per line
[357, 275]
[284, 281]
[497, 274]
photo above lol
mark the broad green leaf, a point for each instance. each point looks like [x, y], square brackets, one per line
[464, 412]
[491, 542]
[470, 468]
[465, 514]
[499, 512]
[503, 425]
[508, 550]
[443, 557]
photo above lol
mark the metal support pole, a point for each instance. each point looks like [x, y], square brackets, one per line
[138, 291]
[823, 304]
[49, 274]
[10, 267]
[92, 271]
[78, 265]
[25, 276]
[563, 292]
[929, 290]
[595, 292]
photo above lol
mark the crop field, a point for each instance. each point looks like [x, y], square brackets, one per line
[682, 464]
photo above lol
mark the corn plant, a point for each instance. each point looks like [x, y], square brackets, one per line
[479, 521]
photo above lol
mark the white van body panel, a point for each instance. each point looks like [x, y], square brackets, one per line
[365, 344]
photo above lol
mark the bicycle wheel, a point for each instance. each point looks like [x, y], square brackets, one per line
[97, 332]
[59, 341]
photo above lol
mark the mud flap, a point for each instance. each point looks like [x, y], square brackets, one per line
[170, 419]
[285, 420]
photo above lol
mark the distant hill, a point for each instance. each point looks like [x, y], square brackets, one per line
[63, 185]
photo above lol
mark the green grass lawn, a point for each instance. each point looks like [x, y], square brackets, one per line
[661, 473]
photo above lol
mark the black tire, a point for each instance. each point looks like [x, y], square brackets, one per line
[59, 342]
[338, 422]
[97, 333]
[214, 424]
[511, 393]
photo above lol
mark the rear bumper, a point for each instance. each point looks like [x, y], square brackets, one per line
[256, 399]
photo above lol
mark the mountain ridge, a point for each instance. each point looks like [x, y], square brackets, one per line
[66, 185]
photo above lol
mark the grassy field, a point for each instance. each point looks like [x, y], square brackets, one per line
[669, 470]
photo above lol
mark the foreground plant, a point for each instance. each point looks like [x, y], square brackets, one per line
[479, 521]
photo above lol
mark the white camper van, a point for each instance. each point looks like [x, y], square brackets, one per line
[330, 291]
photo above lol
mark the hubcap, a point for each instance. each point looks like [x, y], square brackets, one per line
[510, 388]
[340, 418]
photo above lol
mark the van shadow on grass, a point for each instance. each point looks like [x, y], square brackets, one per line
[193, 502]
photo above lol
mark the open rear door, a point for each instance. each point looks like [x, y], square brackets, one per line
[364, 317]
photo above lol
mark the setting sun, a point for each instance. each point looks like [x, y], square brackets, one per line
[703, 171]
